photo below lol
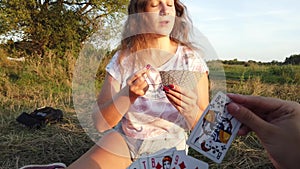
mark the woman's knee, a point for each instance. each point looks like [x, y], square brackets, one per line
[111, 148]
[114, 143]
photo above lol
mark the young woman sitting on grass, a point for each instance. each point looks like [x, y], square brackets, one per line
[144, 117]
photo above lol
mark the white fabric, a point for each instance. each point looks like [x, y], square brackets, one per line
[152, 116]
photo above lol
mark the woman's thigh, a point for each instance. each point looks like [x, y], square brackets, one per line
[110, 152]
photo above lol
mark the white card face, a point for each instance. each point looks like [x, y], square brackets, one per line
[134, 165]
[215, 130]
[143, 163]
[183, 161]
[162, 160]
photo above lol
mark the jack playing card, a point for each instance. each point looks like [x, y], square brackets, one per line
[215, 130]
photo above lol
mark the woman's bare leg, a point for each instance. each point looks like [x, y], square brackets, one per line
[110, 152]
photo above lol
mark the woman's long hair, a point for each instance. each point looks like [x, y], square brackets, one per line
[137, 42]
[135, 38]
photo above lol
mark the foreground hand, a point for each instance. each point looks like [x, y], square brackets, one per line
[185, 101]
[276, 123]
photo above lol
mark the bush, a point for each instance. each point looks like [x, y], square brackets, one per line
[284, 74]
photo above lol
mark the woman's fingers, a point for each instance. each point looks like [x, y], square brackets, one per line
[138, 77]
[180, 93]
[137, 83]
[181, 98]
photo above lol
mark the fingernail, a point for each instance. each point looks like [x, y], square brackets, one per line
[171, 86]
[148, 66]
[234, 106]
[166, 88]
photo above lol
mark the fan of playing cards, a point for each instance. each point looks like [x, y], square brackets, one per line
[183, 78]
[171, 159]
[212, 137]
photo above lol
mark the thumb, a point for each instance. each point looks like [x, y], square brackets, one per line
[248, 118]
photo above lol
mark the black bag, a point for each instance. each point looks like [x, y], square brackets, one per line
[40, 117]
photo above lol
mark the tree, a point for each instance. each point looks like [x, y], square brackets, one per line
[293, 59]
[59, 25]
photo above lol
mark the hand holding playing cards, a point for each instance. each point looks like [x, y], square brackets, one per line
[276, 123]
[185, 101]
[137, 84]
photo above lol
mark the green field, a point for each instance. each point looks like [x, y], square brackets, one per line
[25, 86]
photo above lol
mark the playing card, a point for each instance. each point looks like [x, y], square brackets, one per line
[135, 165]
[183, 161]
[161, 160]
[182, 78]
[215, 130]
[143, 162]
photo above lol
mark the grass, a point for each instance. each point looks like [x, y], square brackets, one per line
[44, 82]
[272, 74]
[20, 146]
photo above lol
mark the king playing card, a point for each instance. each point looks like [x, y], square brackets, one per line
[215, 130]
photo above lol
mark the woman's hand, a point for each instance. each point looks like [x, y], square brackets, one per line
[185, 101]
[137, 84]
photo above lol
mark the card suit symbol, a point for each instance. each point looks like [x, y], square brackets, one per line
[212, 105]
[158, 166]
[182, 165]
[223, 147]
[215, 149]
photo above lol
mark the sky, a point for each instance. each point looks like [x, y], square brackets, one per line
[260, 30]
